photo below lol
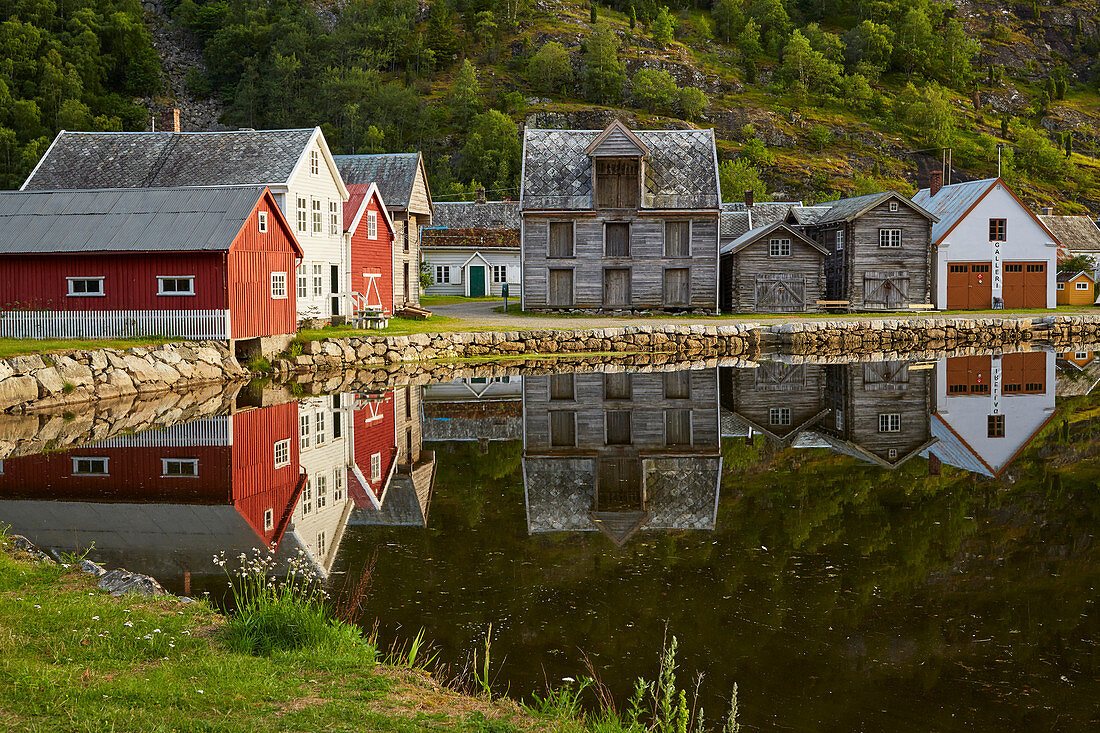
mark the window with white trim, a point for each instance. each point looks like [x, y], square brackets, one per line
[314, 163]
[262, 221]
[1061, 286]
[278, 285]
[88, 466]
[376, 467]
[442, 274]
[318, 216]
[320, 543]
[1076, 355]
[176, 285]
[303, 214]
[85, 287]
[269, 520]
[307, 497]
[372, 225]
[500, 273]
[337, 485]
[322, 491]
[303, 431]
[839, 240]
[889, 422]
[303, 285]
[779, 416]
[319, 428]
[889, 238]
[893, 206]
[173, 467]
[779, 248]
[318, 281]
[282, 453]
[1082, 286]
[333, 218]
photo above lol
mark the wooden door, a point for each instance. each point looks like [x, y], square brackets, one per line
[1024, 373]
[968, 375]
[677, 288]
[678, 427]
[563, 428]
[616, 286]
[969, 285]
[775, 376]
[477, 281]
[617, 386]
[885, 375]
[886, 289]
[617, 239]
[561, 386]
[561, 288]
[780, 293]
[1025, 285]
[619, 487]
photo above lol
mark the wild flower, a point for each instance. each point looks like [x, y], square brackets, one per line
[128, 623]
[95, 618]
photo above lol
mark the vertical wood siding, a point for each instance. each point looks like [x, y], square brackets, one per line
[257, 484]
[252, 258]
[741, 271]
[373, 256]
[373, 431]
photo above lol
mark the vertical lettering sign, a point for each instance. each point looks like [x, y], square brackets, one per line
[995, 385]
[996, 269]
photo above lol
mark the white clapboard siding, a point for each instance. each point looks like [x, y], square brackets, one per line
[456, 257]
[188, 324]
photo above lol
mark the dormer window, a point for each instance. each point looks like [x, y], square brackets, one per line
[618, 185]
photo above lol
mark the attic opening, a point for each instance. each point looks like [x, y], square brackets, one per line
[618, 185]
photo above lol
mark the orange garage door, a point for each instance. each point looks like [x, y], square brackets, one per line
[969, 286]
[1024, 373]
[968, 375]
[1025, 285]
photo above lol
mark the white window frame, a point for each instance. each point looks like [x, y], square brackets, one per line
[1076, 355]
[893, 206]
[372, 225]
[307, 497]
[303, 284]
[780, 416]
[779, 247]
[86, 279]
[337, 485]
[318, 280]
[303, 214]
[1061, 286]
[376, 467]
[443, 274]
[322, 491]
[261, 222]
[889, 422]
[321, 543]
[319, 432]
[304, 435]
[889, 238]
[503, 274]
[106, 466]
[839, 240]
[333, 219]
[281, 453]
[278, 286]
[175, 293]
[1082, 286]
[165, 462]
[314, 163]
[317, 215]
[269, 520]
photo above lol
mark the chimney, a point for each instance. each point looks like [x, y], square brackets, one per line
[749, 198]
[935, 182]
[169, 120]
[480, 194]
[1048, 211]
[934, 465]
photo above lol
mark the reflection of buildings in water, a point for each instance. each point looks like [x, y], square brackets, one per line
[1078, 372]
[164, 501]
[482, 409]
[776, 400]
[390, 474]
[988, 408]
[620, 452]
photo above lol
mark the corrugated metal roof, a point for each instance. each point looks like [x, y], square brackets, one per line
[169, 159]
[1065, 277]
[951, 203]
[394, 173]
[153, 219]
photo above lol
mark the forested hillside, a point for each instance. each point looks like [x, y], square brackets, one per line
[811, 99]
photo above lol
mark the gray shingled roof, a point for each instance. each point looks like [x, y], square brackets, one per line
[1076, 233]
[395, 174]
[679, 171]
[808, 214]
[471, 215]
[753, 235]
[124, 219]
[166, 159]
[758, 215]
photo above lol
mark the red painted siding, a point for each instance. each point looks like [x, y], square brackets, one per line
[253, 256]
[373, 257]
[373, 425]
[258, 485]
[129, 281]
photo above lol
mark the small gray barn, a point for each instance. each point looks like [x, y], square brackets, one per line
[772, 269]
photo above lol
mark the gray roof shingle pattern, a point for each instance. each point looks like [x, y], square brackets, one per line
[1076, 233]
[395, 174]
[166, 159]
[679, 170]
[470, 215]
[124, 219]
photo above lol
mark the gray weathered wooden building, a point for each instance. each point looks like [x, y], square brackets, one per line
[776, 399]
[620, 219]
[771, 269]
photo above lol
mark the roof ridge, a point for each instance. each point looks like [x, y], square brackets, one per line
[185, 132]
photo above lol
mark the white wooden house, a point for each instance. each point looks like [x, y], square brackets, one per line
[472, 248]
[990, 250]
[295, 165]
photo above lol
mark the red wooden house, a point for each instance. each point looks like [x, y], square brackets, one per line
[370, 234]
[214, 262]
[373, 447]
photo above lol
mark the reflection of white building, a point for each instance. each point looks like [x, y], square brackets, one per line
[324, 507]
[477, 408]
[988, 408]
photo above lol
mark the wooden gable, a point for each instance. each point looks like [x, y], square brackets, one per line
[617, 141]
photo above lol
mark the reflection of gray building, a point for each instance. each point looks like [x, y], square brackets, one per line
[776, 399]
[477, 408]
[621, 452]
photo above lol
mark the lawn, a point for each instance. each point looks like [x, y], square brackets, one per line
[429, 300]
[15, 347]
[74, 658]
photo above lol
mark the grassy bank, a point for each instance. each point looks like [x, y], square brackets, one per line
[17, 347]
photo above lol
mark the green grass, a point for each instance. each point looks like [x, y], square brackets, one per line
[514, 309]
[429, 300]
[74, 658]
[17, 347]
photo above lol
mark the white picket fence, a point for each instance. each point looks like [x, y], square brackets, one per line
[188, 324]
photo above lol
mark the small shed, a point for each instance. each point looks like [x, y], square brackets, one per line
[472, 248]
[1076, 288]
[772, 269]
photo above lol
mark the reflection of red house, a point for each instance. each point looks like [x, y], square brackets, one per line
[374, 447]
[247, 461]
[371, 234]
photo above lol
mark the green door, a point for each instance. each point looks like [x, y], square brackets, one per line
[477, 282]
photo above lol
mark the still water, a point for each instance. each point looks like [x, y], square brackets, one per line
[864, 546]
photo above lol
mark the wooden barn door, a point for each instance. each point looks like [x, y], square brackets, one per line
[886, 289]
[781, 293]
[1025, 285]
[620, 485]
[969, 285]
[561, 288]
[677, 286]
[616, 286]
[1024, 373]
[968, 375]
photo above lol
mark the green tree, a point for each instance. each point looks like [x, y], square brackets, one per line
[930, 111]
[492, 151]
[633, 18]
[465, 98]
[827, 44]
[913, 49]
[869, 46]
[662, 27]
[773, 21]
[485, 27]
[956, 53]
[748, 42]
[806, 68]
[594, 17]
[728, 19]
[549, 68]
[1038, 156]
[738, 176]
[653, 88]
[692, 102]
[604, 73]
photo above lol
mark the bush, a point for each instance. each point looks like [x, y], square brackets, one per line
[738, 176]
[663, 27]
[693, 102]
[549, 69]
[653, 88]
[820, 137]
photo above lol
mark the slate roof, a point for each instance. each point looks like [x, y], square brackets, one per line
[125, 219]
[167, 159]
[808, 214]
[395, 174]
[733, 223]
[680, 169]
[754, 235]
[1076, 233]
[471, 215]
[853, 207]
[759, 214]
